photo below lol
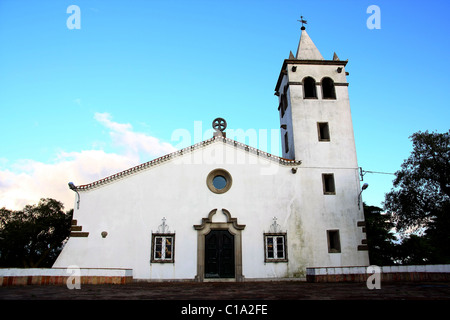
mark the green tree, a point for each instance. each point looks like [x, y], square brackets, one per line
[415, 250]
[380, 238]
[34, 236]
[420, 199]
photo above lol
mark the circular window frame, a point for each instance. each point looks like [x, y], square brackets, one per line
[219, 172]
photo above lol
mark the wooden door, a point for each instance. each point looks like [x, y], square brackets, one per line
[219, 254]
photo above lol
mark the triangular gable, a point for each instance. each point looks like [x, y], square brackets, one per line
[179, 153]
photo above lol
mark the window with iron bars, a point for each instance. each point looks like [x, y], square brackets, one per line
[275, 247]
[163, 246]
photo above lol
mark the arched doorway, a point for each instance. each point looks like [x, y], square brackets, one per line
[219, 248]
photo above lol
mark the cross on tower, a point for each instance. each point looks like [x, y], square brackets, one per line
[303, 22]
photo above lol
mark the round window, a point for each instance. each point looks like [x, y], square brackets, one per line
[219, 181]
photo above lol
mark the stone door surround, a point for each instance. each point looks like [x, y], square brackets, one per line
[203, 229]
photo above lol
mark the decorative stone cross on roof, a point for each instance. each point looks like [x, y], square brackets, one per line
[219, 125]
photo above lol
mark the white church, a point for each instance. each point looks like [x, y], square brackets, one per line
[222, 210]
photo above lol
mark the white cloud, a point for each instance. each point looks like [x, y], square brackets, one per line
[26, 181]
[31, 180]
[135, 144]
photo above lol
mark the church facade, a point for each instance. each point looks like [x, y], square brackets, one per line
[220, 209]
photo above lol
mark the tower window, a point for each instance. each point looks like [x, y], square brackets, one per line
[328, 183]
[284, 101]
[323, 131]
[328, 91]
[286, 142]
[334, 242]
[309, 88]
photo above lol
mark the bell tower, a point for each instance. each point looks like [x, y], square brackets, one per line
[316, 128]
[314, 109]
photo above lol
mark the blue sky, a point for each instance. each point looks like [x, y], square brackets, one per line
[79, 104]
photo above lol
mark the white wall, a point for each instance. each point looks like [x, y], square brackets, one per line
[130, 208]
[302, 115]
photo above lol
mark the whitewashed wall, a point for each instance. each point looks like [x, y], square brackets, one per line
[130, 208]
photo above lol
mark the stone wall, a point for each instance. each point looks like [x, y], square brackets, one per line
[59, 276]
[439, 272]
